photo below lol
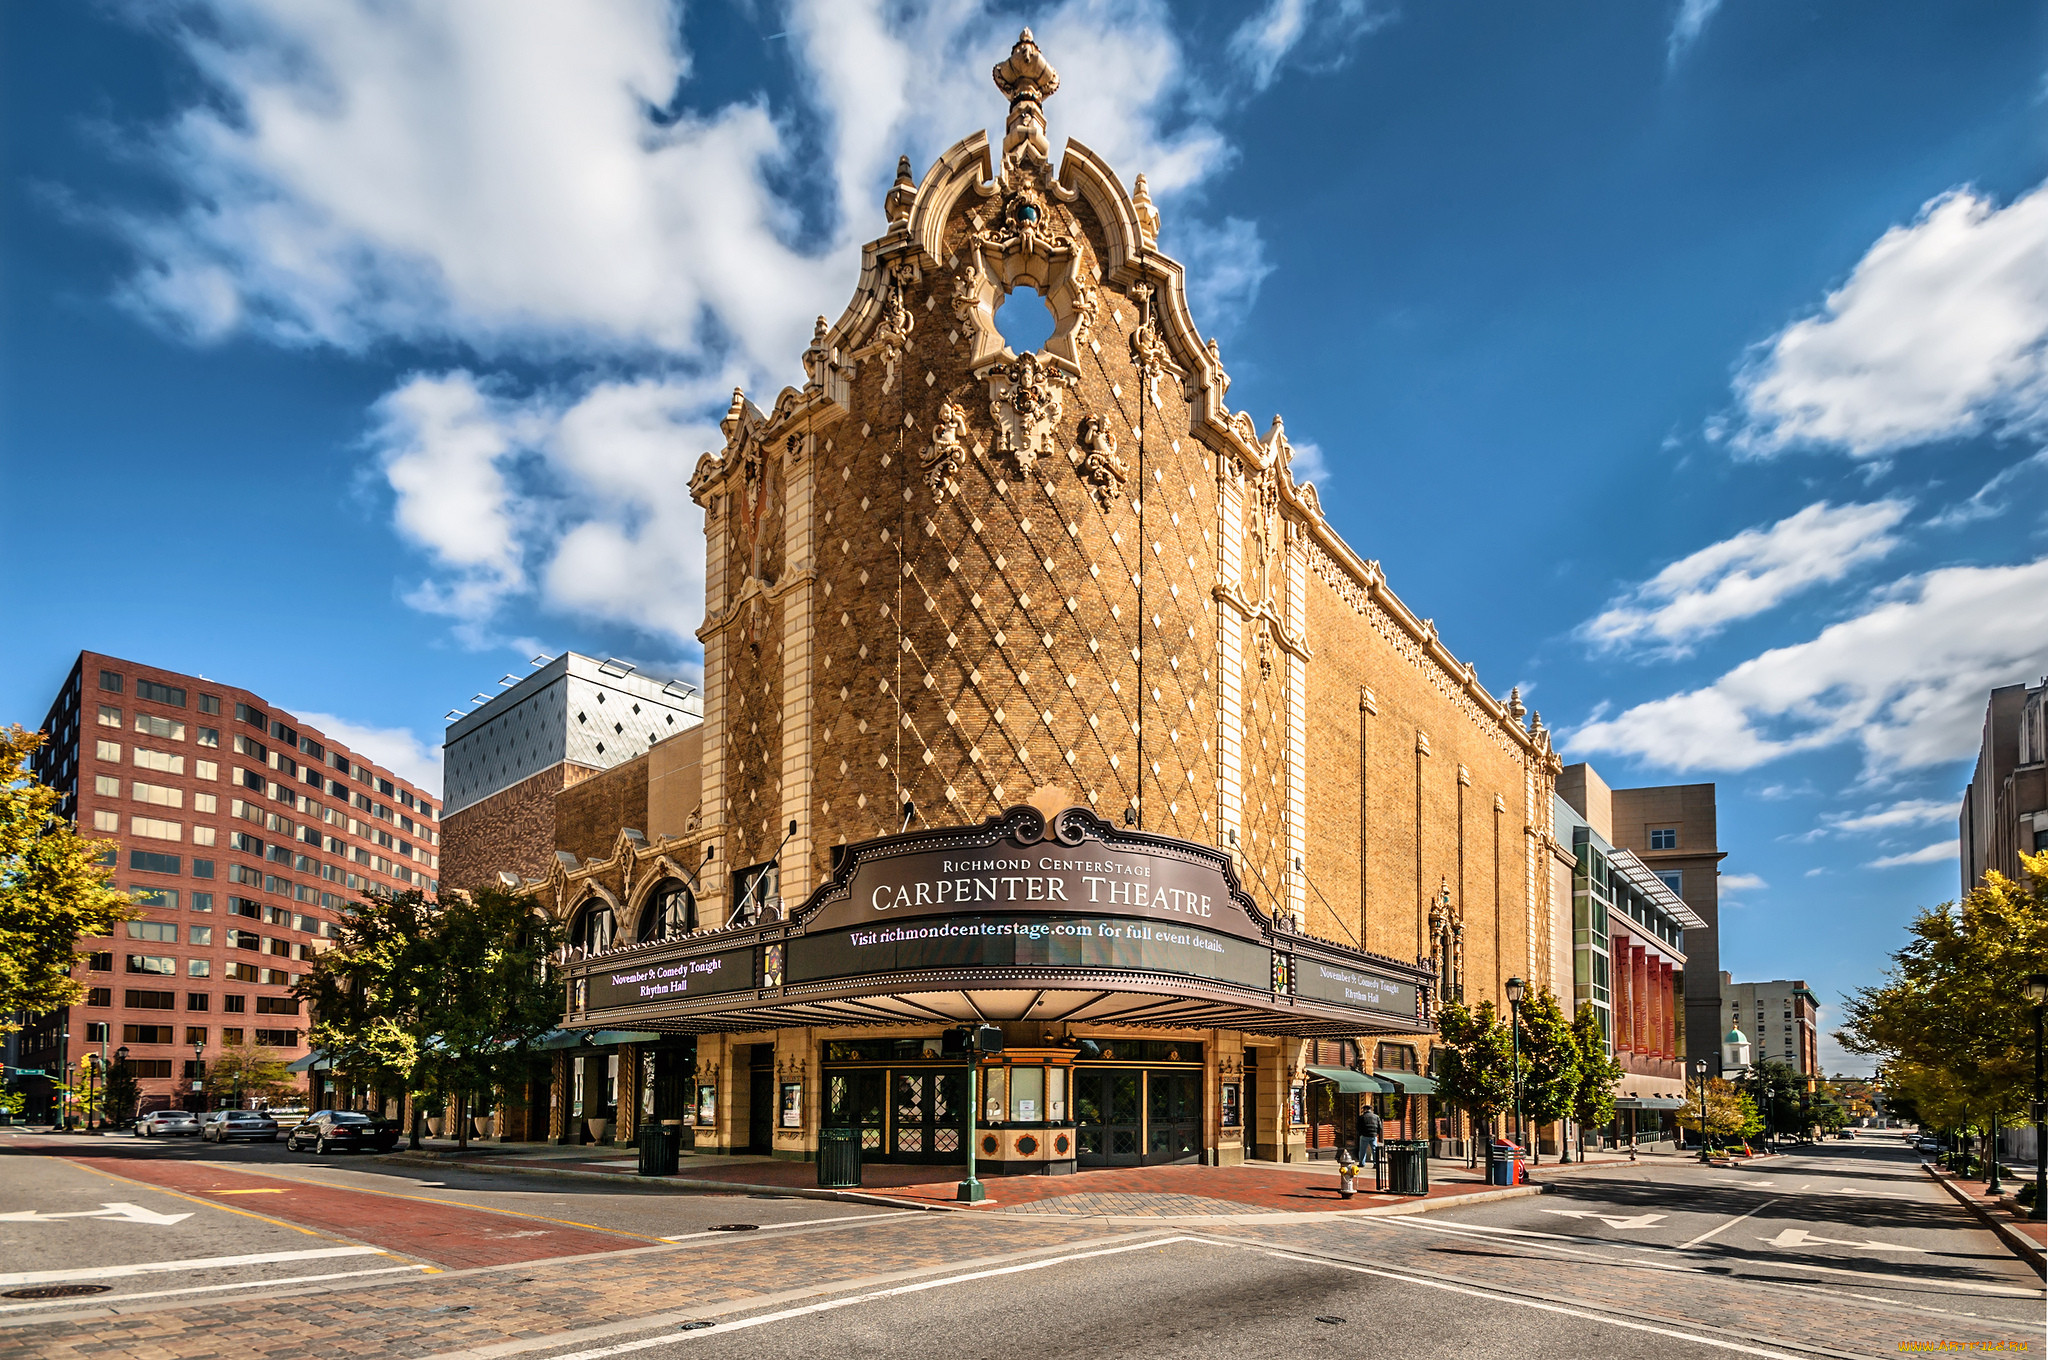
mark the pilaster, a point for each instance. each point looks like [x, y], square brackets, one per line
[1230, 661]
[799, 865]
[1297, 733]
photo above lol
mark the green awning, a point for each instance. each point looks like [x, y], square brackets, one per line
[1409, 1083]
[312, 1061]
[603, 1038]
[1350, 1083]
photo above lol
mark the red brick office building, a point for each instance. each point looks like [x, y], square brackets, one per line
[243, 834]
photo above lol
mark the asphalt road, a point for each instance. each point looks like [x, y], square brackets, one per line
[1843, 1250]
[170, 1218]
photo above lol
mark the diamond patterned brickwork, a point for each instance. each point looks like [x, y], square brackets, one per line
[1078, 569]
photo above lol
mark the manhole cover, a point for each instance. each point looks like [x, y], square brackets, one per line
[733, 1227]
[57, 1291]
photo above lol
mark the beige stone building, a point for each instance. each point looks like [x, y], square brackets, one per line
[1058, 608]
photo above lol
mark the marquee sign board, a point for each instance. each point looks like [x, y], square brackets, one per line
[644, 982]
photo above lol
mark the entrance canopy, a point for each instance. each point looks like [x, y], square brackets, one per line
[1073, 921]
[1350, 1083]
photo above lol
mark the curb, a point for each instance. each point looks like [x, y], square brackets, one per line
[660, 1184]
[2017, 1242]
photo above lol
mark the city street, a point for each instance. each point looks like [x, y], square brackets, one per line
[1844, 1249]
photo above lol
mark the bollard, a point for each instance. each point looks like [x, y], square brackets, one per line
[1347, 1178]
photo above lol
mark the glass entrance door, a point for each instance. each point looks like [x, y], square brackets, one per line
[859, 1100]
[1107, 1112]
[1173, 1117]
[927, 1116]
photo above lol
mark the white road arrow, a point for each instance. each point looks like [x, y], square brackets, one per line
[118, 1213]
[1799, 1237]
[1639, 1221]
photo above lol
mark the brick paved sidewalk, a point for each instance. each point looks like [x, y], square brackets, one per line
[2025, 1237]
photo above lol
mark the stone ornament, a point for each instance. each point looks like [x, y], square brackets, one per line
[1100, 468]
[1027, 397]
[942, 460]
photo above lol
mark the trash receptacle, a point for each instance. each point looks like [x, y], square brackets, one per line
[1407, 1166]
[1503, 1163]
[658, 1147]
[838, 1158]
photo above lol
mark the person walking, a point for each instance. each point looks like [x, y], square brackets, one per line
[1369, 1128]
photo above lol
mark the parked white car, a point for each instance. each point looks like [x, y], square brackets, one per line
[167, 1124]
[218, 1126]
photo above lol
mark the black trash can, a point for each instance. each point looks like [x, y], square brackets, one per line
[839, 1158]
[1407, 1166]
[658, 1148]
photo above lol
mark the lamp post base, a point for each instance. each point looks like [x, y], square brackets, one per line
[971, 1192]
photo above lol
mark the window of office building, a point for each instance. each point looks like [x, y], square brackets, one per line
[110, 682]
[1663, 838]
[209, 703]
[160, 694]
[110, 716]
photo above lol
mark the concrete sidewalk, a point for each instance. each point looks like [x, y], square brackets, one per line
[2025, 1237]
[1150, 1193]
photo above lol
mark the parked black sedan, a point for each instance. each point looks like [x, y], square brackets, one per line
[327, 1130]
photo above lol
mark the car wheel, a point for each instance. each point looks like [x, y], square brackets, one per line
[320, 1147]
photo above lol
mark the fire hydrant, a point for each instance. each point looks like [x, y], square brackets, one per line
[1347, 1178]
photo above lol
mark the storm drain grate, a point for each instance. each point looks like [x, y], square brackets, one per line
[57, 1291]
[734, 1227]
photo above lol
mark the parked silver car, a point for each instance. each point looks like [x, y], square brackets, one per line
[167, 1124]
[218, 1126]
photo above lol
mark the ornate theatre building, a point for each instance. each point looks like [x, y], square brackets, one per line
[1038, 693]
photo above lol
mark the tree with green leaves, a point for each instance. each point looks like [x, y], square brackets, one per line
[248, 1071]
[1477, 1072]
[56, 888]
[1729, 1113]
[370, 996]
[1599, 1072]
[1550, 1066]
[497, 993]
[443, 998]
[124, 1092]
[1949, 1021]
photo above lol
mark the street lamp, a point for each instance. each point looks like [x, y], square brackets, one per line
[2036, 988]
[121, 1057]
[198, 1072]
[1516, 989]
[1699, 1069]
[92, 1087]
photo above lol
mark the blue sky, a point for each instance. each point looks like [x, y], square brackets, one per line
[1687, 362]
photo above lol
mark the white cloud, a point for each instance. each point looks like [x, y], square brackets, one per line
[585, 493]
[395, 748]
[526, 182]
[1982, 505]
[1941, 331]
[498, 177]
[1737, 578]
[1310, 464]
[1687, 26]
[1905, 680]
[1926, 854]
[1742, 883]
[1321, 31]
[1225, 263]
[1908, 812]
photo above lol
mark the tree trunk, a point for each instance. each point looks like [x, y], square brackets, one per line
[462, 1120]
[418, 1119]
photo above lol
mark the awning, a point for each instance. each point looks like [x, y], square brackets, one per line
[316, 1060]
[602, 1038]
[1648, 1103]
[1350, 1083]
[1409, 1083]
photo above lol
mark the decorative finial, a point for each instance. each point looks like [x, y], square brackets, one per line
[1026, 79]
[1148, 216]
[1515, 706]
[896, 204]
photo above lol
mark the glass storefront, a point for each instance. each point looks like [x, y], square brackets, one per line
[906, 1104]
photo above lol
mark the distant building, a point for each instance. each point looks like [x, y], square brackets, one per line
[2005, 808]
[243, 833]
[506, 760]
[1783, 1020]
[1631, 933]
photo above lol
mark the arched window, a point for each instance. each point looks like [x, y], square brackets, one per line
[593, 929]
[671, 910]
